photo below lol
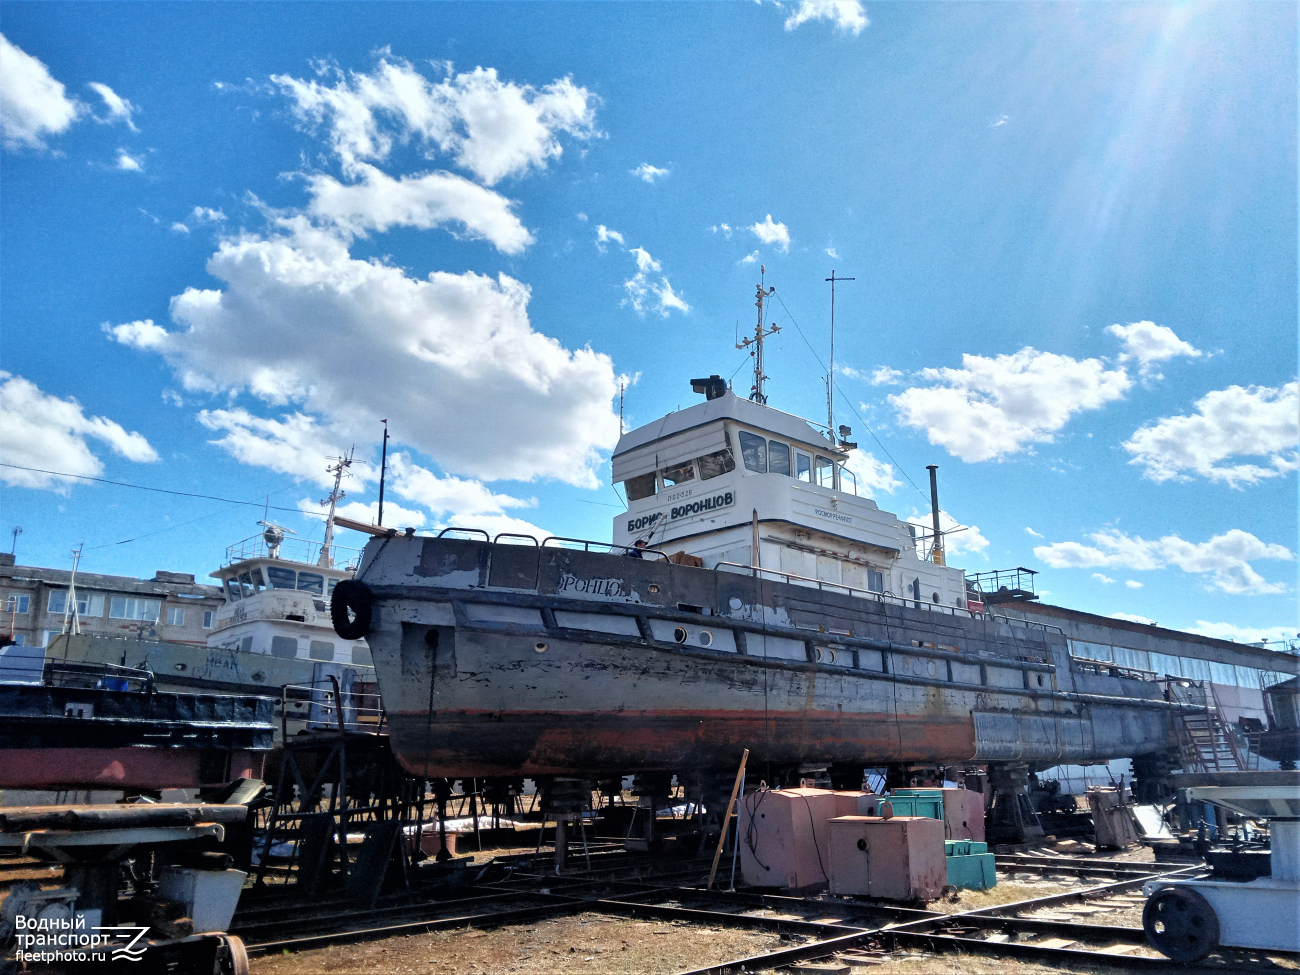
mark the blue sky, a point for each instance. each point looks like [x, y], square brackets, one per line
[233, 238]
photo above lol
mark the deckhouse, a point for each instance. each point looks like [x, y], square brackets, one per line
[737, 484]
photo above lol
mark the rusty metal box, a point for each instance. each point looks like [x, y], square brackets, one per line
[898, 859]
[785, 836]
[963, 814]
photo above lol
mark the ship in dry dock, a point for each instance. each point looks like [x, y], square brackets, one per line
[770, 607]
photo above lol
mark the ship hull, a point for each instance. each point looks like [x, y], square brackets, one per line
[484, 680]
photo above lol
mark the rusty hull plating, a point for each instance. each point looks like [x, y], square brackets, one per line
[520, 660]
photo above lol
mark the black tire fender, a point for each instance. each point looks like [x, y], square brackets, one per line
[350, 609]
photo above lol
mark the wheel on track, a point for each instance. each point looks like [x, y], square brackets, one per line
[1180, 924]
[232, 956]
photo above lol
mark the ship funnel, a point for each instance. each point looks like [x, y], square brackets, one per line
[712, 387]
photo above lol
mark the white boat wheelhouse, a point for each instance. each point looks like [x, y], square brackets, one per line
[733, 481]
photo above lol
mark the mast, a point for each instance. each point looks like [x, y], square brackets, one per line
[338, 470]
[830, 375]
[383, 470]
[756, 393]
[70, 613]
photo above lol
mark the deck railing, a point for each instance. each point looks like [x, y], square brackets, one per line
[328, 708]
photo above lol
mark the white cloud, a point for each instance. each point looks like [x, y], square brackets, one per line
[295, 444]
[1246, 634]
[208, 215]
[848, 16]
[1030, 531]
[649, 173]
[1104, 579]
[119, 109]
[873, 476]
[993, 407]
[180, 228]
[1000, 121]
[1257, 421]
[377, 201]
[831, 252]
[128, 162]
[367, 512]
[142, 334]
[1133, 618]
[604, 235]
[968, 541]
[1225, 558]
[646, 294]
[1132, 583]
[458, 502]
[33, 104]
[722, 228]
[300, 321]
[492, 128]
[751, 258]
[42, 431]
[777, 234]
[1150, 344]
[885, 376]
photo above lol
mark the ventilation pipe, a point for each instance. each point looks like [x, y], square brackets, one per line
[936, 550]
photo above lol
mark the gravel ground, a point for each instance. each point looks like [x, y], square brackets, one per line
[588, 943]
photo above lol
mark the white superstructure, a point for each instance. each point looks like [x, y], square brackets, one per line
[730, 480]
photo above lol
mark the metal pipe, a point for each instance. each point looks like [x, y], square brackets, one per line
[936, 550]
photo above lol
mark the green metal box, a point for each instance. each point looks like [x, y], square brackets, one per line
[917, 802]
[973, 871]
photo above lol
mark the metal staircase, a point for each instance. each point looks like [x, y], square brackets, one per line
[1206, 743]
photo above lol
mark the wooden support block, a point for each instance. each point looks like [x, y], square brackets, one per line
[1054, 943]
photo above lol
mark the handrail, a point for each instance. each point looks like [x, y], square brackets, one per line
[501, 535]
[1115, 670]
[788, 577]
[586, 544]
[479, 531]
[339, 709]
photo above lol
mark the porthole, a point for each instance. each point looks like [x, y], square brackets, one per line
[934, 597]
[817, 654]
[831, 655]
[706, 638]
[734, 602]
[654, 587]
[540, 647]
[680, 634]
[1040, 680]
[933, 668]
[181, 667]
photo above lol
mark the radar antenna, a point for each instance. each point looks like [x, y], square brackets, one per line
[326, 560]
[756, 392]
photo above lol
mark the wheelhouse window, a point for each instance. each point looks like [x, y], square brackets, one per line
[311, 582]
[712, 465]
[279, 577]
[246, 584]
[232, 590]
[778, 458]
[753, 449]
[825, 471]
[803, 467]
[679, 474]
[642, 486]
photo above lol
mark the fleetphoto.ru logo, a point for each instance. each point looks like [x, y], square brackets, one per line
[51, 940]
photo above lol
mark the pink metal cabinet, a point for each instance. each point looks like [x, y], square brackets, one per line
[785, 835]
[897, 859]
[963, 814]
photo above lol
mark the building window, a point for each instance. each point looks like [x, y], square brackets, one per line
[711, 465]
[48, 636]
[754, 451]
[128, 608]
[321, 650]
[284, 646]
[778, 458]
[176, 617]
[19, 640]
[17, 604]
[209, 619]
